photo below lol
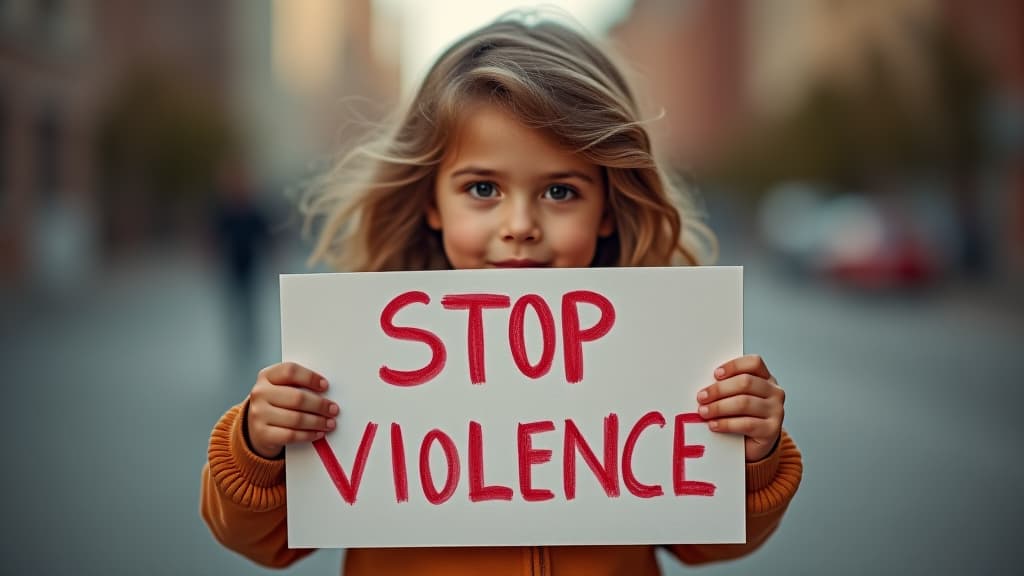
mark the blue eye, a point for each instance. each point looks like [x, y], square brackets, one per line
[482, 190]
[559, 193]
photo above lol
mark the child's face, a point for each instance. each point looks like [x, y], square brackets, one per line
[508, 196]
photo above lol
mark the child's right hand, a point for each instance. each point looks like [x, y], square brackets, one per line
[286, 407]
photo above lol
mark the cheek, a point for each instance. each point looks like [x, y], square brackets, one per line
[464, 235]
[573, 244]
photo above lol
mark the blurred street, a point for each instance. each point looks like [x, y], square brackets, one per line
[901, 404]
[863, 160]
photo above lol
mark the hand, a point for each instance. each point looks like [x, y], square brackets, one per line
[286, 407]
[745, 399]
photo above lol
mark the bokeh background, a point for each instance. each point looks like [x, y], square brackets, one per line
[864, 160]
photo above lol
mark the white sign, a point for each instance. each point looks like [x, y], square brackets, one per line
[526, 407]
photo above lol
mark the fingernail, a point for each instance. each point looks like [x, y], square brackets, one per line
[319, 435]
[702, 396]
[334, 409]
[330, 424]
[719, 372]
[713, 424]
[704, 411]
[323, 384]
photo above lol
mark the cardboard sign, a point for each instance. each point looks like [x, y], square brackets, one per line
[525, 407]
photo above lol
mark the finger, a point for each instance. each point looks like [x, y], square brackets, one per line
[283, 436]
[737, 406]
[297, 420]
[292, 374]
[749, 364]
[302, 401]
[741, 384]
[745, 425]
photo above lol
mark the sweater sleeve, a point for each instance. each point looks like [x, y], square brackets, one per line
[771, 484]
[242, 496]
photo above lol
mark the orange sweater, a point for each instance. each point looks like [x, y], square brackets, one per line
[243, 503]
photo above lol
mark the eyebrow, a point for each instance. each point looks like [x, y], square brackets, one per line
[561, 175]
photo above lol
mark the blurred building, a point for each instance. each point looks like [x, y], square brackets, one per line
[993, 30]
[722, 70]
[61, 62]
[690, 59]
[115, 113]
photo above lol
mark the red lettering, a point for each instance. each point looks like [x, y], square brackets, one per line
[426, 477]
[439, 355]
[680, 452]
[348, 490]
[528, 456]
[475, 303]
[573, 337]
[608, 474]
[477, 490]
[398, 464]
[632, 484]
[517, 336]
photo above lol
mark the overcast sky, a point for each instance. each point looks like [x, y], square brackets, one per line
[427, 28]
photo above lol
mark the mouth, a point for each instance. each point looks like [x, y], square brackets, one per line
[513, 263]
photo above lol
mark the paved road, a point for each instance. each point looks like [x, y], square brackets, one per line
[905, 408]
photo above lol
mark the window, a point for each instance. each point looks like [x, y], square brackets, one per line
[48, 153]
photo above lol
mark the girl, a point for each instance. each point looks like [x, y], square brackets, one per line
[522, 148]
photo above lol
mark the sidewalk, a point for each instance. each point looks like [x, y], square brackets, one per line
[115, 391]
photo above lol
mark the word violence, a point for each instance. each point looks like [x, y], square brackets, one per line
[573, 335]
[611, 468]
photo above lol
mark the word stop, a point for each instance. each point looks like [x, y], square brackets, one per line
[573, 335]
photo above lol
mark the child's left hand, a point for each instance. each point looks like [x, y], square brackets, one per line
[745, 399]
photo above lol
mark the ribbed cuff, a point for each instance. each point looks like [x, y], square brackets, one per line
[761, 473]
[772, 482]
[245, 477]
[263, 472]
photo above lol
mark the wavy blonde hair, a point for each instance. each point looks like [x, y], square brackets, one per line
[372, 205]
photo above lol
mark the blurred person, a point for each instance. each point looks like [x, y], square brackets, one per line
[242, 233]
[523, 147]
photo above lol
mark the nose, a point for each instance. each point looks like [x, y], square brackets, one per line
[520, 223]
